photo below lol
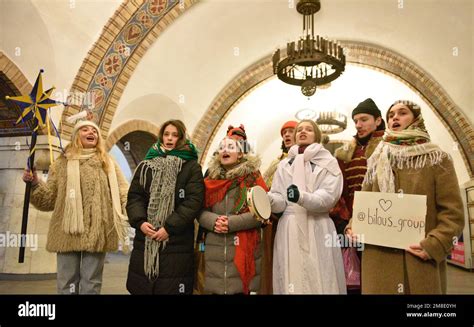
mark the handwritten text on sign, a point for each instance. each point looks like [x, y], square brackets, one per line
[389, 219]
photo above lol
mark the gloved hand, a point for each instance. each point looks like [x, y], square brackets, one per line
[293, 193]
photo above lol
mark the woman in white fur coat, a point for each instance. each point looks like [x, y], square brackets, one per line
[87, 192]
[307, 184]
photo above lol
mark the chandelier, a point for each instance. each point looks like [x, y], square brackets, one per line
[311, 61]
[329, 122]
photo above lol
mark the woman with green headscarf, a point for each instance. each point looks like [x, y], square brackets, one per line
[165, 196]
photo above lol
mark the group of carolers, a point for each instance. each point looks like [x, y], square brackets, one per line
[311, 194]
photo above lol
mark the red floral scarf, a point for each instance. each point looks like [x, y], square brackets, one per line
[216, 190]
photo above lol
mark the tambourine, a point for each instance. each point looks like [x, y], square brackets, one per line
[259, 203]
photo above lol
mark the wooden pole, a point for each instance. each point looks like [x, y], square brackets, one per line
[26, 202]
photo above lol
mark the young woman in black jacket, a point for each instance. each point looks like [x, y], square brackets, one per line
[165, 196]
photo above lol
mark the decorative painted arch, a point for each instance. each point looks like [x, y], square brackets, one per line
[364, 54]
[129, 127]
[110, 63]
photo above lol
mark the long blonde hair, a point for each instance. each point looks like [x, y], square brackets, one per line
[75, 148]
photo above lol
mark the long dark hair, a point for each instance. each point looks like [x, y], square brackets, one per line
[181, 132]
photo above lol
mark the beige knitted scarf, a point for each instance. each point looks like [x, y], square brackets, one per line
[73, 220]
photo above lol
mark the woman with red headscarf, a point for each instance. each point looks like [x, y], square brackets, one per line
[232, 246]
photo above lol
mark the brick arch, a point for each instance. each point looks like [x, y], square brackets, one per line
[359, 53]
[16, 84]
[124, 40]
[14, 74]
[127, 133]
[129, 127]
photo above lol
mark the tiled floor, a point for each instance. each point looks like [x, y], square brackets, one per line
[460, 281]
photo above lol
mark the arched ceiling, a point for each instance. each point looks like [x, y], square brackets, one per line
[53, 35]
[209, 44]
[154, 108]
[272, 102]
[194, 58]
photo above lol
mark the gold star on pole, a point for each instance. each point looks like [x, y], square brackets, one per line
[36, 104]
[34, 107]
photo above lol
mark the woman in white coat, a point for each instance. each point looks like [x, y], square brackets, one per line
[307, 258]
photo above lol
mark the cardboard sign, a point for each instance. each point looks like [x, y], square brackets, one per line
[393, 220]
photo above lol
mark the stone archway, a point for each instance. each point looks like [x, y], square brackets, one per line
[133, 138]
[14, 74]
[12, 83]
[108, 66]
[364, 54]
[129, 127]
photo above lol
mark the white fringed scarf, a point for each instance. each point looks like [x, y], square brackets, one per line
[73, 220]
[388, 156]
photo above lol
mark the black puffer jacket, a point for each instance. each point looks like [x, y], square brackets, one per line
[177, 259]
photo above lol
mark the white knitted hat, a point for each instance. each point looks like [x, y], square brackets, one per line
[83, 123]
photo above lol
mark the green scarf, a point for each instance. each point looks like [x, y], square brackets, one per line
[186, 152]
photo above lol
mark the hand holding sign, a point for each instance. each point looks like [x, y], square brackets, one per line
[385, 219]
[418, 251]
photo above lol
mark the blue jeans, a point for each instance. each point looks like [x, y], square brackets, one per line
[80, 272]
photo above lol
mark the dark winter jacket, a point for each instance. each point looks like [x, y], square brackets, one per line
[176, 259]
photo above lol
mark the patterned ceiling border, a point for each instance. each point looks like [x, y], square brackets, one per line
[110, 63]
[359, 53]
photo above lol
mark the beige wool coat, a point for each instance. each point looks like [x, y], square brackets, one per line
[395, 271]
[99, 234]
